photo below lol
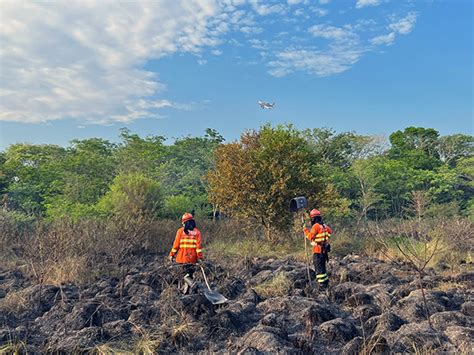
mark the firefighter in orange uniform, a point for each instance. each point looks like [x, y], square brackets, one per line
[319, 236]
[187, 248]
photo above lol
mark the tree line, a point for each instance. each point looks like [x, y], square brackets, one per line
[350, 177]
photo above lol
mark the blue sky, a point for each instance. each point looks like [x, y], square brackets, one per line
[176, 67]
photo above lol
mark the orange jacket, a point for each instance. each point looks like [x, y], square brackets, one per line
[318, 235]
[187, 246]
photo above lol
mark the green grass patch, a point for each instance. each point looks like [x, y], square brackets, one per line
[253, 247]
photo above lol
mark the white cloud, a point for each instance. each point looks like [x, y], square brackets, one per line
[401, 26]
[251, 30]
[319, 11]
[259, 44]
[299, 12]
[343, 49]
[404, 25]
[265, 9]
[342, 52]
[338, 34]
[88, 60]
[387, 39]
[296, 2]
[363, 3]
[84, 60]
[319, 63]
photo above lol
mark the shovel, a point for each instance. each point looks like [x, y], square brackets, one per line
[213, 296]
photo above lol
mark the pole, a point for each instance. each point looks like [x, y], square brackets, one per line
[306, 254]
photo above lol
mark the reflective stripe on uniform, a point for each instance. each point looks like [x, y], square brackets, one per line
[198, 250]
[322, 278]
[322, 237]
[185, 240]
[187, 246]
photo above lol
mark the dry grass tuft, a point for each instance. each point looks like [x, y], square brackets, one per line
[14, 348]
[279, 285]
[450, 285]
[111, 349]
[68, 269]
[14, 302]
[182, 333]
[146, 345]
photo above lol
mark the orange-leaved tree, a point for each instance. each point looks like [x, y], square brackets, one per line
[257, 176]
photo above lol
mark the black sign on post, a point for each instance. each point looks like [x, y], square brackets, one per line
[298, 203]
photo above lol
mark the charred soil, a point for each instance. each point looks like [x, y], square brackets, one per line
[372, 307]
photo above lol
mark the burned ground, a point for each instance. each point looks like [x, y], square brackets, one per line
[372, 307]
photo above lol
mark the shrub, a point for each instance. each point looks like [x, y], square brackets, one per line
[61, 208]
[55, 247]
[175, 206]
[132, 195]
[15, 228]
[448, 242]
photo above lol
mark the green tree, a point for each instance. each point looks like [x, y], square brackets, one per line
[391, 179]
[90, 168]
[367, 198]
[465, 172]
[258, 176]
[416, 146]
[187, 162]
[140, 154]
[455, 147]
[31, 173]
[3, 179]
[342, 149]
[87, 170]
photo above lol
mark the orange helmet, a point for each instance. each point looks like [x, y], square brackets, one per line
[186, 217]
[314, 212]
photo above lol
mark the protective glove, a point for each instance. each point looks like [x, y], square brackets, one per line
[170, 259]
[200, 262]
[314, 244]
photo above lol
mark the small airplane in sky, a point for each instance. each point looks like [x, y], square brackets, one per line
[266, 105]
